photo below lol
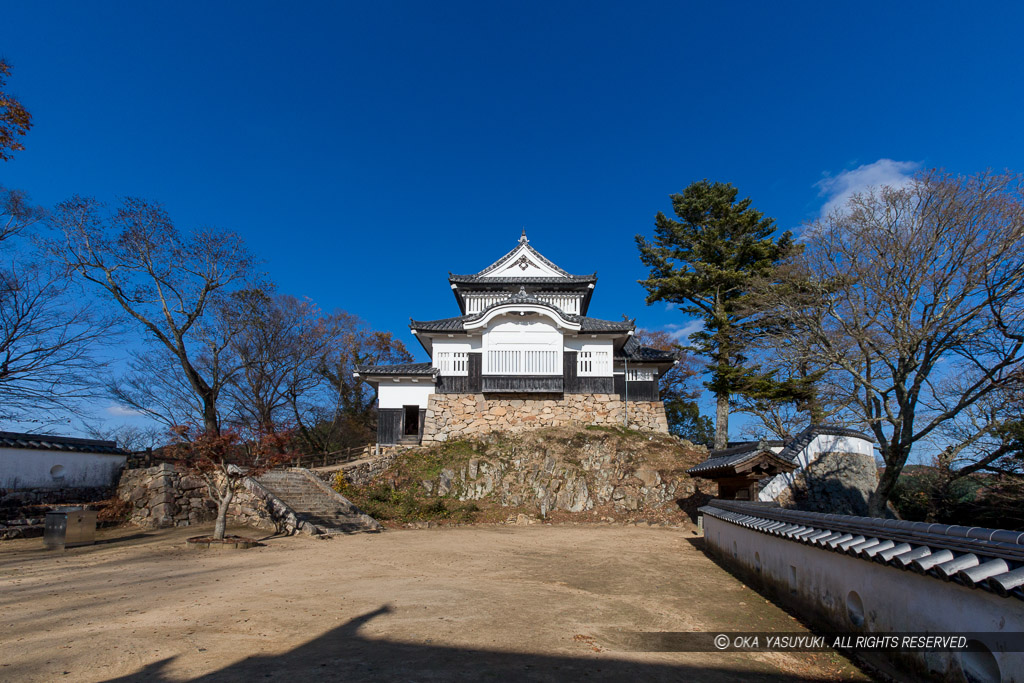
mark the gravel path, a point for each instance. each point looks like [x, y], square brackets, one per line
[472, 603]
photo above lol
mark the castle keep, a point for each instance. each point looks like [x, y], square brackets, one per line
[522, 354]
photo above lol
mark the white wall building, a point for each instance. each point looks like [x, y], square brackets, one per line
[523, 331]
[39, 461]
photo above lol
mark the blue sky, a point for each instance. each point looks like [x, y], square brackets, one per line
[365, 150]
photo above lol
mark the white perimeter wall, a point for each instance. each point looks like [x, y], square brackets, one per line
[24, 468]
[893, 600]
[405, 392]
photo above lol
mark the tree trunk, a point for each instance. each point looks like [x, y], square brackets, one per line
[722, 422]
[210, 423]
[880, 496]
[222, 514]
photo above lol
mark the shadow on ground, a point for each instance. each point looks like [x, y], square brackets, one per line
[342, 654]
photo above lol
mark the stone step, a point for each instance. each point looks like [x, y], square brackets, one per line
[312, 504]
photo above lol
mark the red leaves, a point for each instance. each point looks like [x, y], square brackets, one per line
[203, 452]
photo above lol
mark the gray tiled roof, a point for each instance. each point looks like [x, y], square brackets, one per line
[586, 324]
[633, 350]
[46, 442]
[737, 455]
[581, 280]
[728, 458]
[400, 369]
[984, 559]
[442, 325]
[598, 325]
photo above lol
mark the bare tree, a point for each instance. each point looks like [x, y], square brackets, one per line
[17, 213]
[279, 350]
[131, 438]
[47, 330]
[912, 296]
[167, 282]
[349, 416]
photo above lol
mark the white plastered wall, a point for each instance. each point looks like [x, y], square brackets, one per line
[588, 344]
[582, 344]
[524, 333]
[886, 599]
[404, 392]
[23, 468]
[453, 345]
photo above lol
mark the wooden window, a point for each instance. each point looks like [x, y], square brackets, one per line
[452, 363]
[594, 364]
[640, 375]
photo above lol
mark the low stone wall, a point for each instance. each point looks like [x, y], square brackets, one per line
[16, 498]
[162, 497]
[360, 472]
[458, 416]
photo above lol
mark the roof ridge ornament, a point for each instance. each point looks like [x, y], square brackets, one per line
[522, 238]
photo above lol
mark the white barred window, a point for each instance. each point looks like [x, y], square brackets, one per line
[452, 363]
[640, 375]
[522, 362]
[593, 364]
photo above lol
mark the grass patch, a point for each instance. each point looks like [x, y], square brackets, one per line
[620, 431]
[384, 503]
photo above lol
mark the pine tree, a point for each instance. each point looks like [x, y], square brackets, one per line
[704, 262]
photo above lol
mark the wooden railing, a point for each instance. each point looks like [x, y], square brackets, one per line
[329, 459]
[148, 458]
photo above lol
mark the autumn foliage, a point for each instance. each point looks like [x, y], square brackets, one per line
[223, 460]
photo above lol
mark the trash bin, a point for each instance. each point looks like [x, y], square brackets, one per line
[69, 527]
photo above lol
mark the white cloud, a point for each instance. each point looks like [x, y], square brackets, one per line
[838, 188]
[122, 411]
[681, 333]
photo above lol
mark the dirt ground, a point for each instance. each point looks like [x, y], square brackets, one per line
[471, 603]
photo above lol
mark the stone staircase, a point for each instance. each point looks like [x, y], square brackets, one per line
[317, 509]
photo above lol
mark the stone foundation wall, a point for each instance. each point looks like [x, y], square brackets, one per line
[835, 483]
[11, 499]
[162, 497]
[457, 416]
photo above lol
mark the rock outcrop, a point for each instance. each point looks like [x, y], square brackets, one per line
[556, 469]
